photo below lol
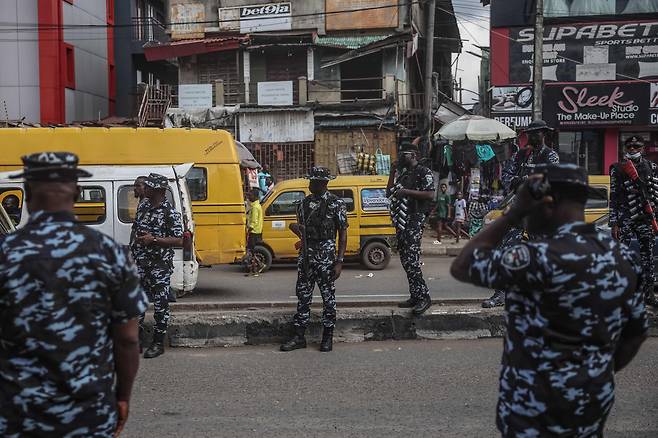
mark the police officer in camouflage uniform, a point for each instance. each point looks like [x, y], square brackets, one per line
[411, 190]
[574, 309]
[628, 220]
[69, 302]
[319, 217]
[158, 230]
[519, 166]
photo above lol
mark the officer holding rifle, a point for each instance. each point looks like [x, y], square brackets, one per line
[633, 199]
[320, 216]
[574, 309]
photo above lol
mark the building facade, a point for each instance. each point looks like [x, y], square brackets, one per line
[600, 72]
[62, 69]
[301, 82]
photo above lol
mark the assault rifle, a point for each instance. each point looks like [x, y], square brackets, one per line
[301, 222]
[629, 169]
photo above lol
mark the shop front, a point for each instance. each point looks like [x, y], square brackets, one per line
[593, 119]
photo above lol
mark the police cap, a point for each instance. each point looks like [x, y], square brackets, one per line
[408, 147]
[567, 175]
[156, 181]
[320, 174]
[538, 125]
[634, 141]
[51, 167]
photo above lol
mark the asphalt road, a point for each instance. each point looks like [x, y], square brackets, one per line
[370, 389]
[226, 283]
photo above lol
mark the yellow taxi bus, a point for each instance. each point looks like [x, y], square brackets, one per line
[370, 229]
[214, 183]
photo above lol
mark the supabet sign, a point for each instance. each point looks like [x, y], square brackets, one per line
[603, 104]
[587, 52]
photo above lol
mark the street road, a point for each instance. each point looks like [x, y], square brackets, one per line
[226, 283]
[371, 389]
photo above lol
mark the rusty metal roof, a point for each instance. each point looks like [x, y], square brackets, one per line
[350, 42]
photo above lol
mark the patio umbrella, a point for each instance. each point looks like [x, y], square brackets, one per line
[475, 128]
[246, 158]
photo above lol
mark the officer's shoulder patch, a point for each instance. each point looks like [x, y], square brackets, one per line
[516, 257]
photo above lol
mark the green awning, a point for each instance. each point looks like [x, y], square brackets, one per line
[350, 42]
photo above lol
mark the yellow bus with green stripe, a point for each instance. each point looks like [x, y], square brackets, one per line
[214, 183]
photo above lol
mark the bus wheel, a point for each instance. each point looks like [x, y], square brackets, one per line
[264, 257]
[376, 256]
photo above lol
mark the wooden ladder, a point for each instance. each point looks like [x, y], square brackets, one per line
[155, 102]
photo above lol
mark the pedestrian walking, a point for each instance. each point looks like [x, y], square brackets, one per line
[69, 300]
[254, 232]
[263, 176]
[158, 231]
[411, 190]
[319, 217]
[574, 308]
[443, 210]
[477, 210]
[461, 211]
[633, 188]
[516, 172]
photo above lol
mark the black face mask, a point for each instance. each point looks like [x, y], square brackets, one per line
[535, 139]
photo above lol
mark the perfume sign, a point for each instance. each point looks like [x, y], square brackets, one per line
[609, 104]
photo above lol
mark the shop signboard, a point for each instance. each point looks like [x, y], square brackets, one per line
[597, 105]
[195, 96]
[277, 93]
[513, 120]
[256, 18]
[587, 52]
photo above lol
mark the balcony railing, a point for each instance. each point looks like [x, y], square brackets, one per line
[149, 30]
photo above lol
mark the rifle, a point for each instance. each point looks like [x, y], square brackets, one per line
[629, 169]
[301, 219]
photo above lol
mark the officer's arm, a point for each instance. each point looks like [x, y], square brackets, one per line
[419, 194]
[342, 243]
[126, 357]
[627, 349]
[295, 229]
[614, 195]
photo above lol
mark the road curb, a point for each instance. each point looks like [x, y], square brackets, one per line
[230, 328]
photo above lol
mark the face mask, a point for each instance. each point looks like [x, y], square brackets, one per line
[636, 156]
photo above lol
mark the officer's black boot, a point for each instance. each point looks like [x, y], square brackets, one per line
[497, 299]
[296, 342]
[327, 339]
[422, 305]
[157, 347]
[411, 302]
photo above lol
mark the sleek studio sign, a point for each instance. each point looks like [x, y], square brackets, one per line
[613, 104]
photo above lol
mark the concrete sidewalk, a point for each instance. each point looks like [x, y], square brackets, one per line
[447, 247]
[208, 325]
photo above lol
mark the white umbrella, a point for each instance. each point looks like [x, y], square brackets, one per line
[476, 128]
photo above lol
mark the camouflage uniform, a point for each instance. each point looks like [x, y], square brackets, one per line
[324, 215]
[572, 298]
[519, 167]
[409, 230]
[155, 263]
[62, 286]
[622, 213]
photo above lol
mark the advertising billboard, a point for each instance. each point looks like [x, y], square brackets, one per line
[587, 52]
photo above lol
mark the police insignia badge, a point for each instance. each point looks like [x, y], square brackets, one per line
[516, 257]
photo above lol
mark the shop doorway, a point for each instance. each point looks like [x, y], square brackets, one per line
[584, 148]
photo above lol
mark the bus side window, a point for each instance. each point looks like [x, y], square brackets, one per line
[197, 183]
[12, 201]
[90, 207]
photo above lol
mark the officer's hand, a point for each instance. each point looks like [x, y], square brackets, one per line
[298, 245]
[615, 232]
[146, 239]
[402, 192]
[523, 202]
[394, 166]
[122, 408]
[338, 268]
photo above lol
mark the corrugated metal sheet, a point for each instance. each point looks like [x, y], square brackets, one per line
[354, 123]
[277, 127]
[349, 42]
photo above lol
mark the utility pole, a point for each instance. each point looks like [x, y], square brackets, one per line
[538, 62]
[429, 65]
